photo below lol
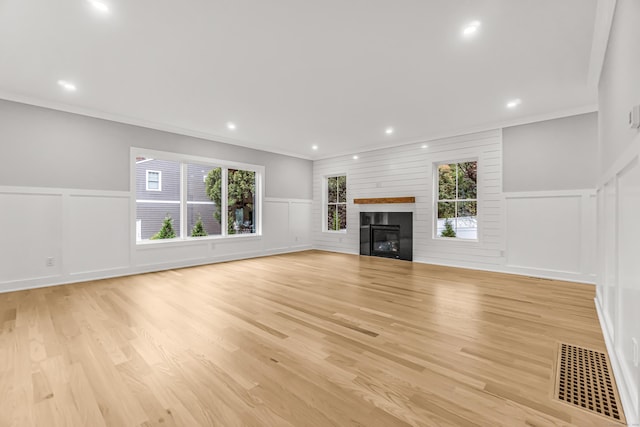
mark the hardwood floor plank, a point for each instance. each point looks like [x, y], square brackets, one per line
[305, 339]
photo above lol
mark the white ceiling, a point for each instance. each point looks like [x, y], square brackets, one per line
[293, 73]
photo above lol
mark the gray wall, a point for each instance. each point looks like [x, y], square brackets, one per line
[40, 147]
[619, 87]
[559, 154]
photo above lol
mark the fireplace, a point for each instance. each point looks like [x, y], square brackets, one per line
[387, 234]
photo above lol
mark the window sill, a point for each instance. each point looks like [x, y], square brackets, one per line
[455, 239]
[335, 231]
[155, 244]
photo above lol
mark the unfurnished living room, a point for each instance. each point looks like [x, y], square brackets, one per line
[320, 213]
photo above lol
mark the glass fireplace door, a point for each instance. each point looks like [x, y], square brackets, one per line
[385, 240]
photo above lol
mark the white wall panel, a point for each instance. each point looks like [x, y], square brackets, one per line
[545, 233]
[619, 148]
[97, 233]
[300, 222]
[628, 237]
[589, 235]
[599, 243]
[170, 253]
[618, 293]
[88, 234]
[31, 233]
[609, 261]
[276, 223]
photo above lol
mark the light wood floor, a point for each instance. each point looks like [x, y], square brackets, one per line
[306, 339]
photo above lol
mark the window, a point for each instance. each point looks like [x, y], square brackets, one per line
[157, 210]
[336, 203]
[198, 196]
[204, 214]
[241, 188]
[457, 201]
[154, 180]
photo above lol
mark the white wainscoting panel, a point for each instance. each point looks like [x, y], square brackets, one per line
[609, 261]
[158, 254]
[628, 233]
[545, 232]
[618, 292]
[98, 233]
[31, 233]
[589, 264]
[89, 236]
[276, 222]
[300, 222]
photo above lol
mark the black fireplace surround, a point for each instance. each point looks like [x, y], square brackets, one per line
[387, 234]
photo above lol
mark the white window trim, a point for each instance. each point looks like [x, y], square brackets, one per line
[436, 194]
[325, 203]
[183, 159]
[148, 171]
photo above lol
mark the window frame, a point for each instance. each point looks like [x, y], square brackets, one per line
[183, 234]
[325, 202]
[147, 172]
[436, 200]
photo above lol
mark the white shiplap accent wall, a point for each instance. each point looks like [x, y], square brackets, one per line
[409, 171]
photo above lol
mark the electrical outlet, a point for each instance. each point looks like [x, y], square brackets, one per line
[297, 238]
[51, 261]
[635, 352]
[213, 246]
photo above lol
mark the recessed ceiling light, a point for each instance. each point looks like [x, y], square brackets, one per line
[231, 126]
[67, 85]
[314, 147]
[100, 6]
[388, 130]
[355, 157]
[424, 146]
[471, 29]
[514, 103]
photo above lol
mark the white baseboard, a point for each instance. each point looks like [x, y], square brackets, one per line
[538, 273]
[57, 280]
[589, 279]
[630, 411]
